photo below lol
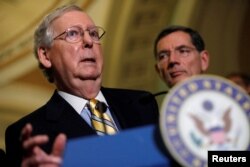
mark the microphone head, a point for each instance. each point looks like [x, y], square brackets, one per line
[102, 107]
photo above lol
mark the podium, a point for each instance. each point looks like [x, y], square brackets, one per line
[137, 147]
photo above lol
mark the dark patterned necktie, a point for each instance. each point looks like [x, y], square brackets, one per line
[100, 121]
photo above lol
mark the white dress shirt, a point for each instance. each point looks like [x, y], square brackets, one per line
[80, 105]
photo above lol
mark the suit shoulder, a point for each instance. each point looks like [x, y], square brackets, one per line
[128, 92]
[136, 97]
[31, 117]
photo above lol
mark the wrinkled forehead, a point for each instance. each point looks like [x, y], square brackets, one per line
[72, 18]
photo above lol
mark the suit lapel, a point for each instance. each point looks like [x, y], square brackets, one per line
[121, 108]
[65, 117]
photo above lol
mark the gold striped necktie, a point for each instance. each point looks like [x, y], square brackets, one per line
[100, 121]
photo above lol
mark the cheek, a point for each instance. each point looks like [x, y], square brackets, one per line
[163, 65]
[195, 67]
[64, 57]
[98, 52]
[163, 72]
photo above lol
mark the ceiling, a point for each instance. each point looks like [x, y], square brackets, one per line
[131, 27]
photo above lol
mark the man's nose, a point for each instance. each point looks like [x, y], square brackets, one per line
[173, 60]
[87, 41]
[173, 57]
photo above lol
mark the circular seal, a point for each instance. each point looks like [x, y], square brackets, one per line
[203, 113]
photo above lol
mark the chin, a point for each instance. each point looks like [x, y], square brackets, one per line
[178, 80]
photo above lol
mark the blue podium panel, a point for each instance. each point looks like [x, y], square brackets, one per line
[131, 148]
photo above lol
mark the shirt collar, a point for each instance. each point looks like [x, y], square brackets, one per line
[79, 103]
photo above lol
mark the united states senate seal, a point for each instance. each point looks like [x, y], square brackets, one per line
[204, 113]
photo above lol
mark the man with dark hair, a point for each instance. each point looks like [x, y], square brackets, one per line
[179, 53]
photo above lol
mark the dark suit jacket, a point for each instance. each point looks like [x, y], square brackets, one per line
[129, 108]
[2, 158]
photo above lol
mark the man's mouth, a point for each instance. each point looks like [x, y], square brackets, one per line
[89, 60]
[176, 74]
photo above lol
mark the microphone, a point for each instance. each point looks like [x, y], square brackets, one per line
[101, 106]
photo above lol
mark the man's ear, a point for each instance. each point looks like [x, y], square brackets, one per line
[43, 57]
[204, 60]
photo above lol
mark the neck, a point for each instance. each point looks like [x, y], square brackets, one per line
[87, 89]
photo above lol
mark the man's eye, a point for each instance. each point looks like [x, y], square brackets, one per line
[162, 55]
[72, 33]
[94, 33]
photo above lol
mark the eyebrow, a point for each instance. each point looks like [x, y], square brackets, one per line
[183, 46]
[176, 48]
[162, 51]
